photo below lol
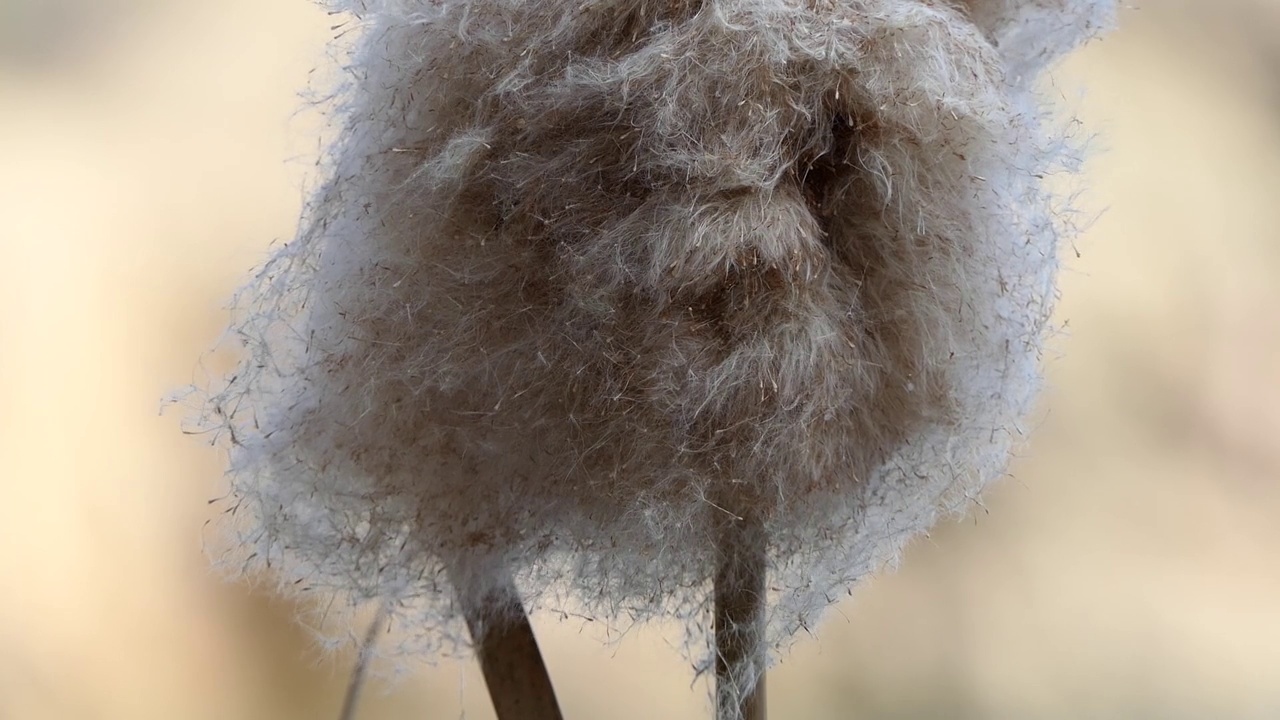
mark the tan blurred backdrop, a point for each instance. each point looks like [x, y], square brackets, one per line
[151, 149]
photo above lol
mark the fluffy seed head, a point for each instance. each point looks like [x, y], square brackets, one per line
[584, 280]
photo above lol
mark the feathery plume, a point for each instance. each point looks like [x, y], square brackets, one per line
[624, 298]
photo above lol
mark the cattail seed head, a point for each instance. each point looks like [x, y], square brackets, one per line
[585, 280]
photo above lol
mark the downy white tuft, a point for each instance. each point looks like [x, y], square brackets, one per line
[585, 281]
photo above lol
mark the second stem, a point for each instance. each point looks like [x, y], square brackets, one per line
[740, 603]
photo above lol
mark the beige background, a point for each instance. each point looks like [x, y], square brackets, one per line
[149, 151]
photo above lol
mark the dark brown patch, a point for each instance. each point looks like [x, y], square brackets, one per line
[613, 32]
[742, 301]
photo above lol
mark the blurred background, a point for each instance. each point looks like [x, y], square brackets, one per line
[151, 149]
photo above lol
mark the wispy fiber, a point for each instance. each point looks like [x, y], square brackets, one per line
[584, 280]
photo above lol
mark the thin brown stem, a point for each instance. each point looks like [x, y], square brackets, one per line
[514, 671]
[359, 674]
[740, 604]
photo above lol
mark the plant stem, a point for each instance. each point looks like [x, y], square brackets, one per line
[360, 672]
[514, 672]
[740, 603]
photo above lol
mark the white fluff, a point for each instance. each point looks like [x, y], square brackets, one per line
[585, 277]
